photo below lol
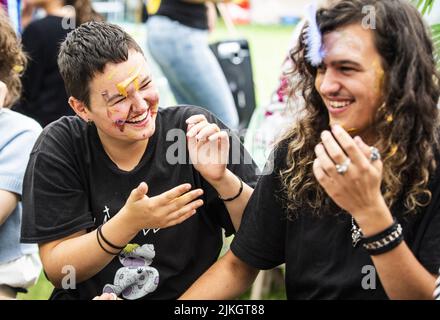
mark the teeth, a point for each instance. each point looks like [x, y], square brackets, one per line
[339, 104]
[139, 118]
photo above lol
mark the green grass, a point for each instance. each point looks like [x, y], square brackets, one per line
[41, 291]
[268, 45]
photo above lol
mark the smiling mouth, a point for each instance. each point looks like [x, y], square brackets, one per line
[340, 104]
[139, 118]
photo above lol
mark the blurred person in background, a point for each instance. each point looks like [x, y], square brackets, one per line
[44, 97]
[178, 42]
[20, 265]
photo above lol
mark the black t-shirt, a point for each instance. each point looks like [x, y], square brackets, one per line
[44, 97]
[71, 184]
[190, 14]
[319, 258]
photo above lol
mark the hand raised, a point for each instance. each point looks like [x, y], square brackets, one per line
[208, 147]
[165, 210]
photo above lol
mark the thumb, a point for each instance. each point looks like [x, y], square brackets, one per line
[139, 192]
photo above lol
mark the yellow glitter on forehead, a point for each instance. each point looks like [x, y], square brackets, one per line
[122, 86]
[112, 74]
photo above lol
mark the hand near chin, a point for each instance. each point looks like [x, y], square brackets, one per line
[208, 148]
[349, 171]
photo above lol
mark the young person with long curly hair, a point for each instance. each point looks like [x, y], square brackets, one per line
[351, 206]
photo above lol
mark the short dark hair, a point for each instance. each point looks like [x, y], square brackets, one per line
[86, 51]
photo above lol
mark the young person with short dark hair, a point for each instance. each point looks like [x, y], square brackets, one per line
[107, 192]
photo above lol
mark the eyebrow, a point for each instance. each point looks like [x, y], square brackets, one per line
[110, 99]
[345, 62]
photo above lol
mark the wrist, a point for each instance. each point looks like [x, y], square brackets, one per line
[125, 222]
[228, 186]
[223, 180]
[374, 219]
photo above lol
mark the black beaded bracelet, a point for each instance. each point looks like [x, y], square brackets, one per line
[237, 195]
[385, 240]
[108, 242]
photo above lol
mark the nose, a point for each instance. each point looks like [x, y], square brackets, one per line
[138, 103]
[329, 84]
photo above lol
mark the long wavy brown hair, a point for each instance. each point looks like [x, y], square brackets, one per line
[12, 59]
[406, 124]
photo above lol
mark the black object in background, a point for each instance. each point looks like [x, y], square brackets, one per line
[235, 60]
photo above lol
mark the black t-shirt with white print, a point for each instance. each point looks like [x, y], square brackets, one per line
[320, 260]
[71, 185]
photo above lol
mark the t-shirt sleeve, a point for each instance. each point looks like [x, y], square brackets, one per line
[260, 240]
[428, 242]
[14, 158]
[55, 202]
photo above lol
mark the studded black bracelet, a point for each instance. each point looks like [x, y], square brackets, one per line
[385, 240]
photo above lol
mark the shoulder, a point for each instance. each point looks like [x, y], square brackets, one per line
[35, 27]
[279, 153]
[39, 30]
[42, 23]
[177, 115]
[62, 133]
[14, 123]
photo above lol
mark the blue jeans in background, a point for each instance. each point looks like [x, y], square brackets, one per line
[193, 73]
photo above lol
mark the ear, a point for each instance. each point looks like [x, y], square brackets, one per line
[80, 108]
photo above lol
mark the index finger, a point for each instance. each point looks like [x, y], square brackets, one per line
[195, 119]
[174, 193]
[349, 145]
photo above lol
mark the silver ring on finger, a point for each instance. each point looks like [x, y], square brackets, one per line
[343, 167]
[375, 154]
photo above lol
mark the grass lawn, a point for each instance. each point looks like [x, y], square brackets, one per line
[269, 45]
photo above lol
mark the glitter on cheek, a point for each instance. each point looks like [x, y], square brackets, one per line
[118, 115]
[379, 76]
[318, 81]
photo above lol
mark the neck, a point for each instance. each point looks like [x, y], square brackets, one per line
[126, 155]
